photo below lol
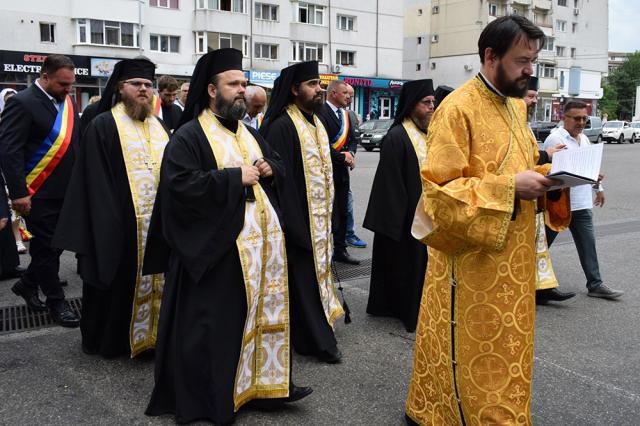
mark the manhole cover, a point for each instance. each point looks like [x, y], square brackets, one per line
[345, 272]
[21, 318]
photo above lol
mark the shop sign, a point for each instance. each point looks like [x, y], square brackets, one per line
[325, 79]
[377, 83]
[31, 63]
[102, 67]
[263, 78]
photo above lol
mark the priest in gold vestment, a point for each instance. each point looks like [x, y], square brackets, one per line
[473, 356]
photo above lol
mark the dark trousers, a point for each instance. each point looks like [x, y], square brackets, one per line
[340, 211]
[9, 258]
[45, 260]
[581, 228]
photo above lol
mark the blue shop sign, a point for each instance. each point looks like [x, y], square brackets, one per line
[263, 78]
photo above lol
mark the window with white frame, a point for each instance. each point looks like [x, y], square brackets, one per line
[201, 42]
[573, 52]
[266, 12]
[208, 41]
[310, 14]
[493, 9]
[265, 51]
[303, 51]
[574, 27]
[547, 71]
[562, 2]
[418, 67]
[235, 6]
[110, 33]
[547, 44]
[561, 80]
[419, 40]
[47, 32]
[164, 43]
[561, 26]
[560, 51]
[346, 23]
[346, 58]
[167, 4]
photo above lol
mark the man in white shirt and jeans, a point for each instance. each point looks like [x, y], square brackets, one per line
[581, 226]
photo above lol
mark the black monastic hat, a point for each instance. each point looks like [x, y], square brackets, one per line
[124, 70]
[281, 93]
[442, 92]
[412, 92]
[215, 62]
[534, 83]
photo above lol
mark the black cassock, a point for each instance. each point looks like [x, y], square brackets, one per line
[197, 217]
[310, 330]
[98, 223]
[399, 260]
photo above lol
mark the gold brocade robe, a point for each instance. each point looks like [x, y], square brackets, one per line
[474, 341]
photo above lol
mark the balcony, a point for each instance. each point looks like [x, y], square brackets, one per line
[221, 21]
[548, 85]
[542, 4]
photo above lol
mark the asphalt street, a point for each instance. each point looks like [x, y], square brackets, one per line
[587, 356]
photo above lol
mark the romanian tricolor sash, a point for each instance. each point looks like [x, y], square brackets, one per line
[260, 117]
[157, 106]
[48, 155]
[341, 138]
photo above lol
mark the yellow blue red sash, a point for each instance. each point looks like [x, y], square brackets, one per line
[157, 106]
[340, 139]
[260, 118]
[48, 155]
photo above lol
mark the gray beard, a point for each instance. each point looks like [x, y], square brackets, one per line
[230, 110]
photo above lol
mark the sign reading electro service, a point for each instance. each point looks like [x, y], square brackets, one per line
[31, 63]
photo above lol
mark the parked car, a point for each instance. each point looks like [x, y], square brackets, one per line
[542, 129]
[593, 129]
[372, 132]
[636, 129]
[618, 131]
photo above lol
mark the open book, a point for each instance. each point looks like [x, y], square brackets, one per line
[575, 167]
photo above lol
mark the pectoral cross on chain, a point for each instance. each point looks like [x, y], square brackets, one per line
[150, 162]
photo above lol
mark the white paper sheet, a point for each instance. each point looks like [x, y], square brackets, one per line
[583, 162]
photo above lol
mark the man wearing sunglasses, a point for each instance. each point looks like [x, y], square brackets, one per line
[582, 201]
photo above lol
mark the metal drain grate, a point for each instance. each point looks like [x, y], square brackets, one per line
[347, 272]
[21, 318]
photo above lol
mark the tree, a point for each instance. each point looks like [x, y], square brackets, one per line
[620, 89]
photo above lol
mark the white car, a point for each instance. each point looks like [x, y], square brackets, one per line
[618, 131]
[636, 129]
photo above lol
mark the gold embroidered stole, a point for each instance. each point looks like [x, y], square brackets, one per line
[142, 148]
[263, 367]
[318, 172]
[418, 140]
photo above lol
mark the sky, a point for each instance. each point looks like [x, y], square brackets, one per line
[624, 19]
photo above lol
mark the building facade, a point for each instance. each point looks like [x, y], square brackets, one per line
[358, 40]
[571, 64]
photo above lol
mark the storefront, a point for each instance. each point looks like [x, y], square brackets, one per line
[374, 97]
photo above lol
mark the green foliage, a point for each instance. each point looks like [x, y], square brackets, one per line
[620, 89]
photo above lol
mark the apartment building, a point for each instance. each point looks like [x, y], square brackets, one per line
[356, 40]
[571, 64]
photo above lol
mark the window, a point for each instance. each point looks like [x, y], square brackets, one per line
[435, 38]
[573, 52]
[419, 40]
[345, 58]
[266, 51]
[419, 12]
[111, 33]
[547, 71]
[435, 10]
[236, 6]
[266, 12]
[168, 4]
[346, 23]
[164, 43]
[493, 9]
[561, 26]
[433, 65]
[561, 80]
[574, 27]
[310, 14]
[560, 50]
[47, 32]
[307, 51]
[418, 67]
[562, 2]
[547, 44]
[206, 42]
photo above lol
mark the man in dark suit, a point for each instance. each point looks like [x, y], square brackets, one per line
[168, 91]
[343, 147]
[38, 133]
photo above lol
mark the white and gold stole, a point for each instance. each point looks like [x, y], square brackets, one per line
[142, 148]
[418, 140]
[263, 367]
[318, 172]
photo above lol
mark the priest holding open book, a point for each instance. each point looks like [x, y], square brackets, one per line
[582, 198]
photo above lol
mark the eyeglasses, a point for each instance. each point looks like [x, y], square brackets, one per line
[137, 84]
[584, 118]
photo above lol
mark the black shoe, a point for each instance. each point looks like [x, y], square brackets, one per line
[16, 272]
[552, 295]
[344, 257]
[29, 295]
[63, 315]
[296, 393]
[604, 292]
[331, 356]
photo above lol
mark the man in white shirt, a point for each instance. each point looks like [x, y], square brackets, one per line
[255, 98]
[581, 227]
[182, 96]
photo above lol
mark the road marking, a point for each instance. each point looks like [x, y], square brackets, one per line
[612, 388]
